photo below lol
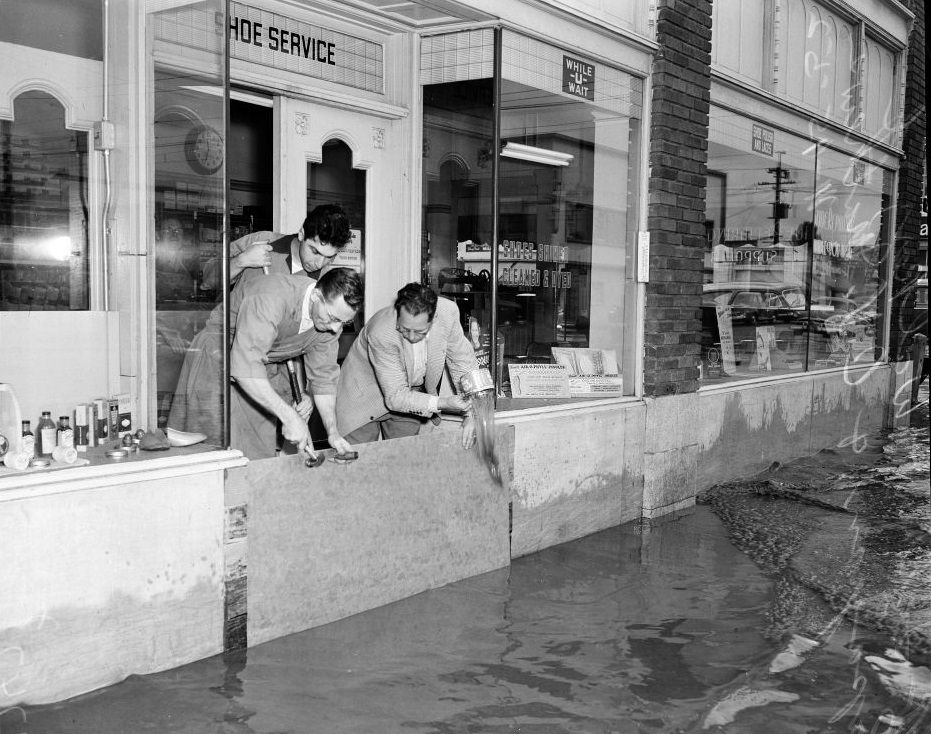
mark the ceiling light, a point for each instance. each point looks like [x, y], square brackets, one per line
[536, 155]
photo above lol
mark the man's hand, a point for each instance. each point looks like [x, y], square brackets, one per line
[305, 407]
[468, 431]
[294, 429]
[453, 404]
[255, 255]
[339, 443]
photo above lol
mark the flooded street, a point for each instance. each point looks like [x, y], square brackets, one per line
[795, 602]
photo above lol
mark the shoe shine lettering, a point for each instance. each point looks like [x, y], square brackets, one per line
[288, 42]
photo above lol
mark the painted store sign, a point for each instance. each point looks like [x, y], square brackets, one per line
[578, 78]
[280, 42]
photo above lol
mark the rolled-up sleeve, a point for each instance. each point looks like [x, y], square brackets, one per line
[256, 331]
[211, 270]
[320, 365]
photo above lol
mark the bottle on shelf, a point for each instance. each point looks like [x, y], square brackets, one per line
[46, 435]
[29, 440]
[65, 433]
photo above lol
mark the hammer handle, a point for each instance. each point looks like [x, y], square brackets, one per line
[295, 383]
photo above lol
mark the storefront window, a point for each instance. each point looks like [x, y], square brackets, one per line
[793, 259]
[846, 259]
[567, 169]
[43, 209]
[757, 220]
[189, 175]
[58, 348]
[457, 200]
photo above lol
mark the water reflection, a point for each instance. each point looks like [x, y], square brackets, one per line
[794, 603]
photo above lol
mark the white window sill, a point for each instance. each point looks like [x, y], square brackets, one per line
[139, 466]
[542, 408]
[850, 369]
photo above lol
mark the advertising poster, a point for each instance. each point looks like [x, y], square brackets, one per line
[539, 380]
[765, 346]
[726, 334]
[591, 371]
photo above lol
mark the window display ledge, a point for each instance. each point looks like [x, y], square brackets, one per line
[518, 410]
[854, 371]
[141, 467]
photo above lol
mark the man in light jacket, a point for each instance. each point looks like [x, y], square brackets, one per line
[389, 382]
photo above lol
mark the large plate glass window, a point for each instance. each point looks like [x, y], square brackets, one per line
[187, 244]
[851, 222]
[58, 346]
[570, 131]
[458, 168]
[44, 208]
[758, 218]
[567, 175]
[794, 257]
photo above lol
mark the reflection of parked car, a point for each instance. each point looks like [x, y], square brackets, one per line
[752, 305]
[843, 316]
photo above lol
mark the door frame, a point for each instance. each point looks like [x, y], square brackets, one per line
[379, 147]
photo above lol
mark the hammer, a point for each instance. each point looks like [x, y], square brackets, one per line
[313, 460]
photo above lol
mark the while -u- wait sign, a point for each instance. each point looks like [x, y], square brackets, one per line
[578, 78]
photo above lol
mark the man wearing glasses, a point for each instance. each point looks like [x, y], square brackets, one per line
[273, 318]
[389, 381]
[317, 243]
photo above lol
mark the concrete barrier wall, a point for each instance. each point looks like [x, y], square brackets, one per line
[575, 474]
[743, 430]
[410, 515]
[100, 583]
[670, 462]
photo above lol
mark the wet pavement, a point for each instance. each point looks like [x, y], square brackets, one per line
[797, 602]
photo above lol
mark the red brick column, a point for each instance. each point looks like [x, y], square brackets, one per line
[676, 214]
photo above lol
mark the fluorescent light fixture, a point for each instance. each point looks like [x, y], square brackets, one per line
[525, 295]
[536, 155]
[208, 89]
[236, 94]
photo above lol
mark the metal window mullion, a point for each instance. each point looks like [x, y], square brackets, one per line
[809, 281]
[495, 208]
[225, 247]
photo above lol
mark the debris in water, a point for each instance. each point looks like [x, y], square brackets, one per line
[793, 655]
[744, 698]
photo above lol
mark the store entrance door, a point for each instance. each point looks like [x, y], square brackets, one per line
[331, 155]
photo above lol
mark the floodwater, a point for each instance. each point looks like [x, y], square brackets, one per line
[797, 602]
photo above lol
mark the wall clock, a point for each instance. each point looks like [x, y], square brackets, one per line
[203, 148]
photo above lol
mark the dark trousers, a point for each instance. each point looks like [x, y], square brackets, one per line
[389, 425]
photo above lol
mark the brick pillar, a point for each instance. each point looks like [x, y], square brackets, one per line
[908, 202]
[676, 214]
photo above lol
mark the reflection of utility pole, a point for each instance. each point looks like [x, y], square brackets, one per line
[780, 209]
